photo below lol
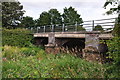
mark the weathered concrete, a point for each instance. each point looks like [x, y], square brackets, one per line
[72, 39]
[73, 35]
[92, 54]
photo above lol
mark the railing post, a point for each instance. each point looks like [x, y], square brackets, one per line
[92, 25]
[76, 26]
[63, 27]
[52, 28]
[44, 29]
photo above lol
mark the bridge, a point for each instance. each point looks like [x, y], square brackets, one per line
[55, 36]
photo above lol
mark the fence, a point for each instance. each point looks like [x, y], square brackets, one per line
[91, 25]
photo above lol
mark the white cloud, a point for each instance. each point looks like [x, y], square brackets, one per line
[60, 1]
[88, 9]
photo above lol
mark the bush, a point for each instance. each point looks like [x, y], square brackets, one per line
[98, 28]
[113, 70]
[12, 52]
[116, 30]
[16, 37]
[9, 52]
[30, 51]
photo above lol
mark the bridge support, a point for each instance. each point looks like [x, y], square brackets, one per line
[92, 51]
[51, 46]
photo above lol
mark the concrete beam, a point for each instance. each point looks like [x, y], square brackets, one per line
[73, 35]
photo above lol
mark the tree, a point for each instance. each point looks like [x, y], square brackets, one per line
[44, 19]
[27, 22]
[98, 28]
[115, 6]
[114, 9]
[55, 16]
[71, 16]
[80, 28]
[12, 14]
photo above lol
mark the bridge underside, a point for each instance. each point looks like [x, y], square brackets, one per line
[69, 42]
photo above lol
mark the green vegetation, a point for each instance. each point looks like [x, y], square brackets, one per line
[21, 59]
[12, 13]
[113, 70]
[17, 65]
[33, 62]
[44, 19]
[98, 28]
[80, 28]
[114, 9]
[71, 16]
[27, 22]
[16, 37]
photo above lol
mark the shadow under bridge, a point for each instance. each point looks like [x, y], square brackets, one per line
[72, 45]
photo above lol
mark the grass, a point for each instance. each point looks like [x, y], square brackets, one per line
[42, 65]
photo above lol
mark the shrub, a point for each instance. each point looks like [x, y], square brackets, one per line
[114, 53]
[114, 49]
[30, 51]
[116, 30]
[11, 52]
[16, 37]
[98, 28]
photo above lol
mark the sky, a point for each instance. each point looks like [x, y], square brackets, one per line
[88, 9]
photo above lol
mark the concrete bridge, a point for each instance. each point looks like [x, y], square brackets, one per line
[85, 43]
[71, 39]
[78, 40]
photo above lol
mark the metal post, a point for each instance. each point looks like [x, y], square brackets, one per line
[44, 28]
[63, 27]
[76, 26]
[92, 25]
[52, 28]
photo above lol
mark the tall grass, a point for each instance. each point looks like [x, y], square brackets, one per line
[46, 65]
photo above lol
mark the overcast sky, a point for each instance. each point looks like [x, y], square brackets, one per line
[88, 9]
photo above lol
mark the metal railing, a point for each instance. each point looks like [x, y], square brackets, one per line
[106, 24]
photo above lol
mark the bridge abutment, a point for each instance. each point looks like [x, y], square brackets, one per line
[52, 46]
[94, 50]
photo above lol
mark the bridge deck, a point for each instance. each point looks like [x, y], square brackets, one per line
[74, 34]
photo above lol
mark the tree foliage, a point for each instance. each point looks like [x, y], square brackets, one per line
[98, 28]
[71, 16]
[12, 13]
[55, 16]
[27, 22]
[44, 19]
[51, 17]
[115, 6]
[114, 9]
